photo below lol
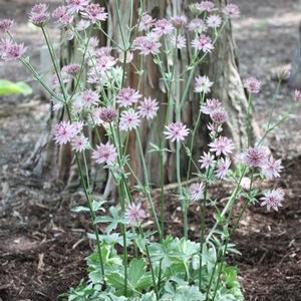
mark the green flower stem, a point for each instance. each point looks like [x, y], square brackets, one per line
[150, 264]
[193, 136]
[249, 119]
[82, 180]
[181, 194]
[148, 194]
[162, 197]
[203, 227]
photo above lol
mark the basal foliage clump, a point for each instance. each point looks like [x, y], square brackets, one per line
[133, 261]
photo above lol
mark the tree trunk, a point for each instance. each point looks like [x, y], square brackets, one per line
[222, 69]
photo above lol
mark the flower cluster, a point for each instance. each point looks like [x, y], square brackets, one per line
[106, 108]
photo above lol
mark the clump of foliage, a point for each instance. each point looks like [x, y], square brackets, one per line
[132, 261]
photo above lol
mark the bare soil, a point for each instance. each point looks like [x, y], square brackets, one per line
[44, 245]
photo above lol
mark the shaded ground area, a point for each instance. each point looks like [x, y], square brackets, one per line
[43, 244]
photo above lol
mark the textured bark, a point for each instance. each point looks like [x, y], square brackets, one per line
[221, 67]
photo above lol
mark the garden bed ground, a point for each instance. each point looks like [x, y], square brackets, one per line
[43, 244]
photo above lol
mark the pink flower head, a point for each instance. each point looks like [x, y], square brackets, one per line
[127, 97]
[71, 69]
[297, 95]
[179, 21]
[95, 13]
[222, 146]
[255, 157]
[176, 131]
[74, 6]
[105, 62]
[163, 27]
[129, 120]
[222, 168]
[89, 98]
[273, 199]
[232, 10]
[79, 143]
[105, 153]
[179, 41]
[147, 45]
[219, 116]
[11, 51]
[272, 168]
[64, 132]
[104, 115]
[214, 21]
[148, 108]
[196, 191]
[6, 25]
[134, 214]
[39, 15]
[77, 127]
[197, 25]
[252, 85]
[146, 22]
[211, 106]
[205, 6]
[61, 16]
[207, 160]
[202, 43]
[202, 84]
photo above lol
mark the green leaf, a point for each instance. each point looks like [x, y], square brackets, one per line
[136, 271]
[80, 209]
[9, 88]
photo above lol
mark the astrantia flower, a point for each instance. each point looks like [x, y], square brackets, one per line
[202, 43]
[179, 21]
[147, 45]
[176, 131]
[222, 146]
[232, 10]
[205, 6]
[105, 62]
[219, 116]
[297, 95]
[273, 199]
[74, 6]
[134, 214]
[197, 25]
[207, 160]
[255, 157]
[61, 16]
[211, 105]
[11, 51]
[39, 14]
[89, 98]
[95, 13]
[196, 191]
[127, 97]
[105, 153]
[179, 41]
[129, 120]
[64, 132]
[202, 84]
[148, 108]
[272, 168]
[214, 21]
[79, 143]
[6, 25]
[162, 27]
[104, 115]
[71, 69]
[252, 85]
[222, 168]
[146, 22]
